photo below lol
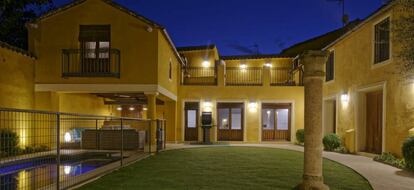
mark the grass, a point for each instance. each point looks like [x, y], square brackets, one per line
[224, 168]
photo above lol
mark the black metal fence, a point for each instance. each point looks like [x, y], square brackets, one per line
[48, 150]
[200, 76]
[91, 63]
[236, 76]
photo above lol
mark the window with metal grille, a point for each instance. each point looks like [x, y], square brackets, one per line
[382, 41]
[330, 67]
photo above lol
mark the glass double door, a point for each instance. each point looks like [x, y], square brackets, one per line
[276, 122]
[230, 121]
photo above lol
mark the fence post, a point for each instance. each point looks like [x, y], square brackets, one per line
[122, 143]
[58, 151]
[165, 134]
[149, 136]
[96, 135]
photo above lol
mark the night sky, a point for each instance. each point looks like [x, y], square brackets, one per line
[240, 24]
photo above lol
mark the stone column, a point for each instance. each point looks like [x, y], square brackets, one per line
[152, 115]
[314, 62]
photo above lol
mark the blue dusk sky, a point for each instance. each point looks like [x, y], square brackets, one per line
[270, 25]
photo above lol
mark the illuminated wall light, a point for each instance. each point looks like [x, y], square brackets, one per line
[131, 108]
[205, 64]
[208, 106]
[144, 109]
[253, 107]
[243, 66]
[345, 98]
[67, 137]
[119, 108]
[268, 65]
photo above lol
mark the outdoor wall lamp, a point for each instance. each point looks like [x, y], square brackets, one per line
[207, 106]
[243, 66]
[205, 63]
[268, 65]
[119, 108]
[131, 108]
[253, 106]
[345, 97]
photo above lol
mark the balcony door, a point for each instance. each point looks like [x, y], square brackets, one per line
[276, 122]
[95, 43]
[191, 121]
[230, 121]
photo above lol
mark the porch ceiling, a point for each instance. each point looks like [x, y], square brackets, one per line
[125, 98]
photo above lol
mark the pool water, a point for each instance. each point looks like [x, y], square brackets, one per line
[41, 173]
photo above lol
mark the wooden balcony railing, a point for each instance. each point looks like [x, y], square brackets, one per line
[297, 74]
[200, 76]
[281, 76]
[80, 63]
[236, 76]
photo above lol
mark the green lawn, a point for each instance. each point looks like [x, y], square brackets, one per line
[224, 168]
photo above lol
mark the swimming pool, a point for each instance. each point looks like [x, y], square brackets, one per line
[40, 173]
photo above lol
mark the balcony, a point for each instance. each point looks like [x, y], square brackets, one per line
[200, 76]
[281, 76]
[80, 63]
[236, 76]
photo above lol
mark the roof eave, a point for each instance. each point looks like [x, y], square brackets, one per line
[382, 10]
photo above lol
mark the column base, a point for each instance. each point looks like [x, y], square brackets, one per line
[312, 183]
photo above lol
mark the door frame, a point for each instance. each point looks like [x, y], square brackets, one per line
[360, 114]
[331, 98]
[292, 117]
[197, 120]
[183, 116]
[276, 107]
[215, 110]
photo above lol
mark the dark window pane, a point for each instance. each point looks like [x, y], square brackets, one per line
[330, 65]
[382, 41]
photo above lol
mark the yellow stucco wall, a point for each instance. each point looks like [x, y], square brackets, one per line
[355, 74]
[245, 95]
[165, 57]
[72, 103]
[16, 80]
[195, 58]
[138, 47]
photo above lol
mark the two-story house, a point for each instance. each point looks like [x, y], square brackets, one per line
[97, 57]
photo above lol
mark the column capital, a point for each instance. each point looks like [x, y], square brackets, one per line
[314, 63]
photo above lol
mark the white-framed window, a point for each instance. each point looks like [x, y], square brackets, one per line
[382, 47]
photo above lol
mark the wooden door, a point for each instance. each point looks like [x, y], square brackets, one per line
[276, 122]
[230, 119]
[191, 121]
[374, 122]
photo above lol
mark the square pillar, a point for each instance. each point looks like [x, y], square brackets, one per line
[151, 146]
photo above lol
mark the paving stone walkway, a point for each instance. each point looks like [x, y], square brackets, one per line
[381, 176]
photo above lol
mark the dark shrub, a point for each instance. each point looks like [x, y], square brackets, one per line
[390, 159]
[41, 148]
[331, 142]
[408, 152]
[300, 136]
[9, 142]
